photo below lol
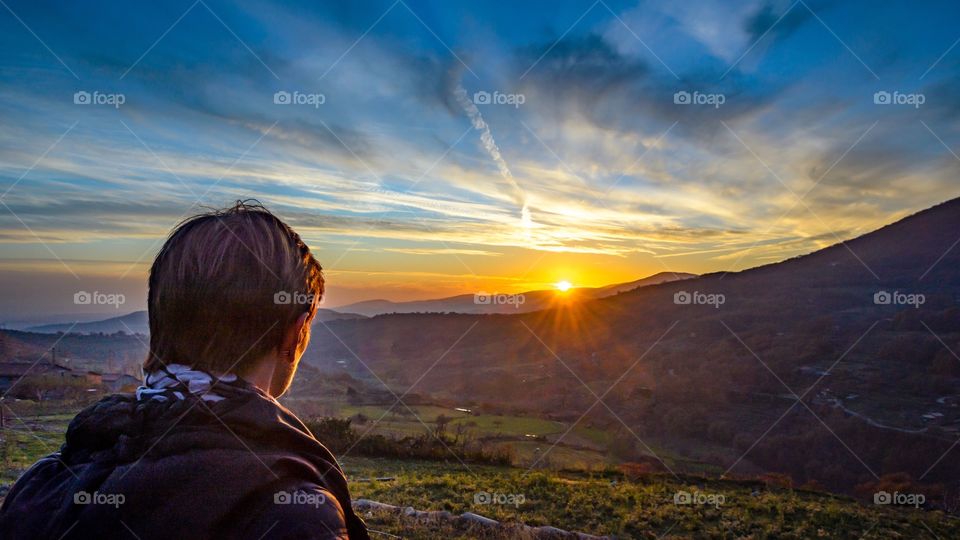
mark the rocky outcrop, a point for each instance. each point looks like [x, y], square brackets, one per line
[470, 519]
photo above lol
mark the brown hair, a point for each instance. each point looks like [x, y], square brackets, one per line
[225, 287]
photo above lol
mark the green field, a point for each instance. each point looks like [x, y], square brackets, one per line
[608, 503]
[28, 435]
[597, 500]
[529, 437]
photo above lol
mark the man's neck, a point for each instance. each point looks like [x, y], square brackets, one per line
[260, 374]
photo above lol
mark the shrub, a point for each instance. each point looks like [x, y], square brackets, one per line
[339, 436]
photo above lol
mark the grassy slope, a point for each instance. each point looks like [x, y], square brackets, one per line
[610, 504]
[593, 502]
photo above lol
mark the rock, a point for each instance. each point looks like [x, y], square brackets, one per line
[469, 518]
[438, 515]
[366, 504]
[549, 533]
[477, 519]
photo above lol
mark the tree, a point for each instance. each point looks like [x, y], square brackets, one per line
[441, 430]
[43, 386]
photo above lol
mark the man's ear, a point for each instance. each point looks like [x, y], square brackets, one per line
[291, 339]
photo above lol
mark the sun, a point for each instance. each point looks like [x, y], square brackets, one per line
[563, 286]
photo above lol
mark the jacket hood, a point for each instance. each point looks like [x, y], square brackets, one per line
[122, 430]
[187, 459]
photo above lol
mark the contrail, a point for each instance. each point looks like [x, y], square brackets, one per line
[491, 147]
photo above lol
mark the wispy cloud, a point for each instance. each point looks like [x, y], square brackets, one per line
[598, 165]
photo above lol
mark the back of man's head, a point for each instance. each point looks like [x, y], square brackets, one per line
[225, 288]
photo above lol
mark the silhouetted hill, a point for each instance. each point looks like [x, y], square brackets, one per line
[655, 279]
[14, 349]
[137, 323]
[484, 303]
[105, 353]
[880, 382]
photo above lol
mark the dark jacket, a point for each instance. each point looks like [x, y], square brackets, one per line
[243, 467]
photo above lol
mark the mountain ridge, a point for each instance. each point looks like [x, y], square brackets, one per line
[485, 303]
[819, 329]
[136, 323]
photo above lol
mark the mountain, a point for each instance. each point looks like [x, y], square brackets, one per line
[14, 349]
[137, 323]
[834, 367]
[131, 323]
[655, 279]
[513, 303]
[111, 353]
[53, 318]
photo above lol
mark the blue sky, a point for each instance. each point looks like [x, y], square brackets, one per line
[408, 185]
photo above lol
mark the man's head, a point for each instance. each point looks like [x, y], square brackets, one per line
[233, 291]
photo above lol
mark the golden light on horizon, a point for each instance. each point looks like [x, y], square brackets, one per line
[563, 286]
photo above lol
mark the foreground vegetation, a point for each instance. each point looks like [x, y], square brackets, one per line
[632, 506]
[623, 501]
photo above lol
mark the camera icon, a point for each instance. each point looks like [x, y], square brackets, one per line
[282, 497]
[81, 98]
[882, 497]
[482, 298]
[882, 298]
[682, 497]
[681, 98]
[282, 297]
[82, 497]
[881, 98]
[682, 298]
[281, 98]
[481, 98]
[482, 497]
[82, 298]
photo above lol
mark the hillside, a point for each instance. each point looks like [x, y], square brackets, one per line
[625, 502]
[721, 382]
[487, 303]
[137, 323]
[14, 349]
[683, 383]
[621, 504]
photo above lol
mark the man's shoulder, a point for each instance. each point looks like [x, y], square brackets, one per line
[291, 510]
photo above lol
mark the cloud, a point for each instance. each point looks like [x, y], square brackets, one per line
[399, 161]
[775, 20]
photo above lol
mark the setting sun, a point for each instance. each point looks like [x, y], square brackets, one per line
[563, 286]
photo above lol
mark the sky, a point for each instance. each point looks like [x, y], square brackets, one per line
[427, 149]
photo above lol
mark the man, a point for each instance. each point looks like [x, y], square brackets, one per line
[202, 449]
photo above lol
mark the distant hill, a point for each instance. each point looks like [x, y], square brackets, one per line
[111, 353]
[131, 323]
[137, 323]
[14, 349]
[531, 300]
[655, 279]
[843, 327]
